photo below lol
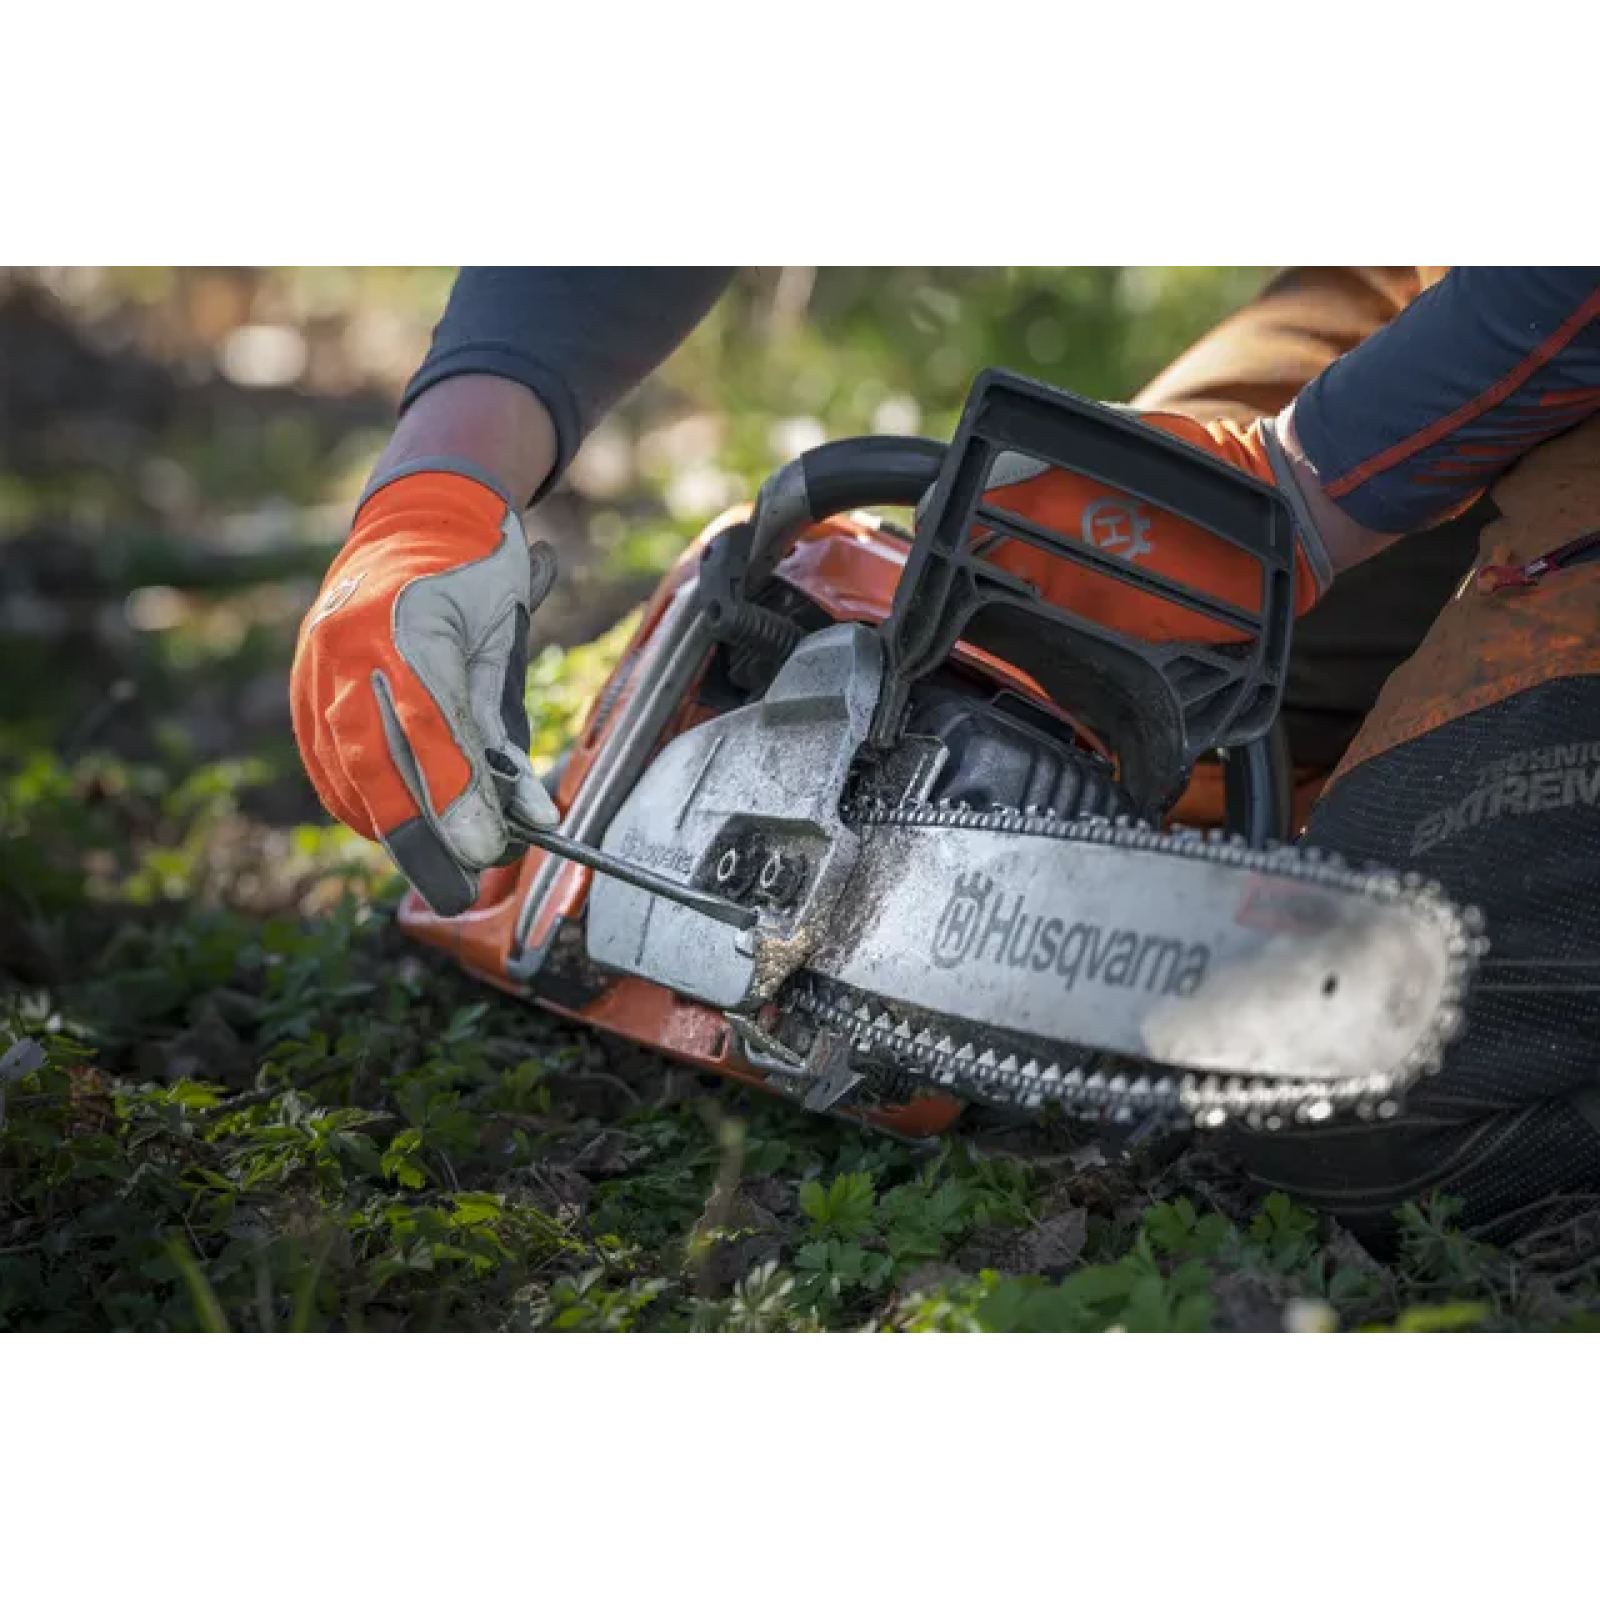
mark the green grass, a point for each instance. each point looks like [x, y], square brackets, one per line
[253, 1106]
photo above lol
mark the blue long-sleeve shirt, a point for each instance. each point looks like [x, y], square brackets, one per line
[1403, 431]
[1415, 422]
[579, 337]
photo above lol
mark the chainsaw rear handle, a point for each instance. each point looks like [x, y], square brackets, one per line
[891, 470]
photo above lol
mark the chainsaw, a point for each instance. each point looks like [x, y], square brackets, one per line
[863, 818]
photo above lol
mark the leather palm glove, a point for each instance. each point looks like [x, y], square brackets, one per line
[1122, 526]
[409, 674]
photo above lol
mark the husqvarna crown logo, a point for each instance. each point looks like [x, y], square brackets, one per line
[1118, 526]
[958, 925]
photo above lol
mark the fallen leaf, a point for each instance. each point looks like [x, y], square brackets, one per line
[1054, 1245]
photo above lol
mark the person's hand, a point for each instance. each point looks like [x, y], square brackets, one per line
[1124, 527]
[408, 680]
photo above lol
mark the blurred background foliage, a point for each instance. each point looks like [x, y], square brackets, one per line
[180, 449]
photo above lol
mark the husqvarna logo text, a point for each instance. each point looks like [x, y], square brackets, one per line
[983, 927]
[1118, 526]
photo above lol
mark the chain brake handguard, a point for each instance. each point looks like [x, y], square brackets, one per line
[1158, 706]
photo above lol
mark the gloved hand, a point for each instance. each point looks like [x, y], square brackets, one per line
[1122, 526]
[408, 680]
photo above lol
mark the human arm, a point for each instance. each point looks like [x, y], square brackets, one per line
[1414, 424]
[526, 360]
[1398, 435]
[407, 683]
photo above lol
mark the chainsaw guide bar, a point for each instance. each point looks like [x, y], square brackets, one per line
[1297, 988]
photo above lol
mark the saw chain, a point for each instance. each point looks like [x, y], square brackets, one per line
[1031, 1074]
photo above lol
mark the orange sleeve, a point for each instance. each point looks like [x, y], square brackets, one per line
[1256, 361]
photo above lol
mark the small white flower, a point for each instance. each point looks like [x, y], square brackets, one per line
[1309, 1316]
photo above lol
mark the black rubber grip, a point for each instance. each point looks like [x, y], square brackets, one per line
[853, 473]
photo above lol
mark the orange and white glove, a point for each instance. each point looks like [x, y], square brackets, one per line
[1124, 527]
[409, 674]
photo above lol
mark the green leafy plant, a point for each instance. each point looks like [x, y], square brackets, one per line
[844, 1210]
